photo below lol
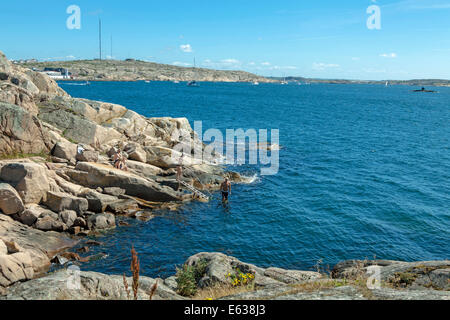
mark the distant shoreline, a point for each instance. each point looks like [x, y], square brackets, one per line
[135, 70]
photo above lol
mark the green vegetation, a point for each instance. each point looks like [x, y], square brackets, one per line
[64, 134]
[188, 278]
[13, 156]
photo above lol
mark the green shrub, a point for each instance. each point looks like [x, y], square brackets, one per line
[188, 278]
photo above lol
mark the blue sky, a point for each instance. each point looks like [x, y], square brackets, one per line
[321, 38]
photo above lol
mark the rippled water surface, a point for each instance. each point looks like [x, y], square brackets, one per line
[365, 171]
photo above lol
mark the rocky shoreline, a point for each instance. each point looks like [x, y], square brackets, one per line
[52, 197]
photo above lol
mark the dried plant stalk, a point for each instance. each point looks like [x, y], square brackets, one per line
[125, 283]
[152, 291]
[135, 270]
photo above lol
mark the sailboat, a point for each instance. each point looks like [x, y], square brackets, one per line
[193, 83]
[387, 83]
[284, 81]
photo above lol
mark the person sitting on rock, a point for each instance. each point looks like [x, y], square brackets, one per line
[119, 161]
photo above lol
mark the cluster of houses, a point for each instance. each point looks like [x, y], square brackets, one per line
[54, 73]
[57, 73]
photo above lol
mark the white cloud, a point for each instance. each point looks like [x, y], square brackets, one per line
[372, 70]
[389, 55]
[181, 64]
[283, 68]
[230, 61]
[322, 66]
[265, 64]
[356, 58]
[222, 64]
[186, 48]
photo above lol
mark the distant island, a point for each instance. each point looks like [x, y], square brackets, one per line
[136, 70]
[414, 82]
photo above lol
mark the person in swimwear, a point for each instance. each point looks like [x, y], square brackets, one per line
[225, 187]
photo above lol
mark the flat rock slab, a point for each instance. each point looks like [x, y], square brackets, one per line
[72, 284]
[42, 246]
[404, 275]
[94, 175]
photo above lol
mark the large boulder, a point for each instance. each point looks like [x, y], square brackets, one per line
[21, 132]
[95, 175]
[58, 201]
[65, 150]
[144, 169]
[29, 179]
[10, 201]
[87, 156]
[162, 157]
[17, 95]
[135, 152]
[104, 112]
[114, 191]
[45, 84]
[15, 267]
[219, 266]
[68, 217]
[101, 221]
[75, 126]
[98, 202]
[50, 224]
[5, 65]
[32, 213]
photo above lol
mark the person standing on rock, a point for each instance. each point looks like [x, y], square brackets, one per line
[180, 170]
[225, 187]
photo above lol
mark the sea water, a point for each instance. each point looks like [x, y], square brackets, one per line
[364, 173]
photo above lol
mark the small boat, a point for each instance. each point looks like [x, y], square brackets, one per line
[256, 83]
[176, 81]
[87, 83]
[192, 83]
[423, 90]
[387, 83]
[147, 81]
